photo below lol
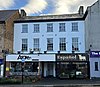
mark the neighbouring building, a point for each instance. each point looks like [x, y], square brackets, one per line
[51, 45]
[6, 34]
[92, 33]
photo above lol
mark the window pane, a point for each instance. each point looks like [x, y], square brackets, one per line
[75, 44]
[28, 66]
[36, 28]
[25, 28]
[24, 44]
[75, 26]
[36, 44]
[96, 66]
[50, 27]
[62, 27]
[62, 44]
[50, 44]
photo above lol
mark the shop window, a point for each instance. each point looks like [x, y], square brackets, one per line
[72, 70]
[96, 66]
[35, 67]
[29, 67]
[15, 67]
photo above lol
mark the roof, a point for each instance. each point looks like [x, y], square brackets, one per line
[5, 14]
[49, 18]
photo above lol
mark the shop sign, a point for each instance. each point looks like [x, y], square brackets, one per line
[66, 57]
[23, 57]
[94, 54]
[69, 57]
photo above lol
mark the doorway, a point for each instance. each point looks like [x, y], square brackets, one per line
[49, 69]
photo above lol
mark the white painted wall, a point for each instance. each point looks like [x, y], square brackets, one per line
[43, 35]
[94, 73]
[47, 57]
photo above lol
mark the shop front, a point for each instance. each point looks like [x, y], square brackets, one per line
[18, 64]
[32, 64]
[94, 64]
[72, 66]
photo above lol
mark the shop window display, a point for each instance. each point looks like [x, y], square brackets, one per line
[72, 70]
[72, 66]
[29, 68]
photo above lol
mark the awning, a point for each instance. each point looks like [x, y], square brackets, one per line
[1, 61]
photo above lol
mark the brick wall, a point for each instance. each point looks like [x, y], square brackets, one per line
[8, 36]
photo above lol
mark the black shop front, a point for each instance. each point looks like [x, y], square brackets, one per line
[72, 66]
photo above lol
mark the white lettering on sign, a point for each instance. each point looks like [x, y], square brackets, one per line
[94, 53]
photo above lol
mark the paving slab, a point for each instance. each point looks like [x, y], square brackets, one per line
[54, 82]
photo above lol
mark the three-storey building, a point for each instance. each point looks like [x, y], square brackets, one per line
[54, 44]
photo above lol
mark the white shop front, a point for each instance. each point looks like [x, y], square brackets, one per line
[34, 64]
[94, 64]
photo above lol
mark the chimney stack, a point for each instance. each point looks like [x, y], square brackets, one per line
[81, 10]
[23, 13]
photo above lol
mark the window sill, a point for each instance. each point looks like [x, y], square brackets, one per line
[36, 32]
[24, 32]
[50, 50]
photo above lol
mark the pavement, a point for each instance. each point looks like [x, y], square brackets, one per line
[54, 82]
[67, 83]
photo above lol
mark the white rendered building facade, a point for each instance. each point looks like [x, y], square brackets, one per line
[55, 34]
[55, 44]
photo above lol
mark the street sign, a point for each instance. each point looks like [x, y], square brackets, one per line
[23, 60]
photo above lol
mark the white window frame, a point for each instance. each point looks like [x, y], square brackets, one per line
[50, 27]
[24, 44]
[36, 44]
[36, 28]
[49, 44]
[62, 44]
[74, 26]
[75, 44]
[24, 28]
[62, 27]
